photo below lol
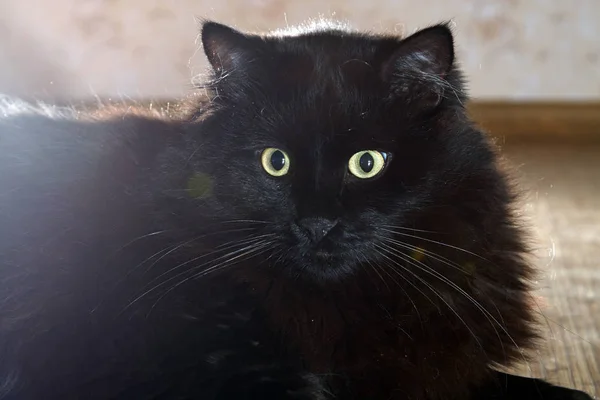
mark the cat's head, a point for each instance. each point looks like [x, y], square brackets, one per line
[330, 143]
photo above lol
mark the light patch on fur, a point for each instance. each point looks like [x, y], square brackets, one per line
[200, 186]
[418, 254]
[469, 268]
[12, 107]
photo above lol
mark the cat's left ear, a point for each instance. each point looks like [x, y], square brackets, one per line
[419, 66]
[226, 48]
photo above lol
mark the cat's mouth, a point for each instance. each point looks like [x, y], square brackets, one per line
[322, 265]
[324, 250]
[326, 259]
[323, 254]
[322, 257]
[320, 254]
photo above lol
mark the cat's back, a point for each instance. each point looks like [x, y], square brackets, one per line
[71, 188]
[58, 164]
[73, 141]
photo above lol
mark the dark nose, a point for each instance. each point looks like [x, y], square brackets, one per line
[316, 228]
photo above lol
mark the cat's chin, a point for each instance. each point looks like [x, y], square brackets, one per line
[323, 266]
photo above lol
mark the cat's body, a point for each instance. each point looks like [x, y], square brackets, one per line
[156, 256]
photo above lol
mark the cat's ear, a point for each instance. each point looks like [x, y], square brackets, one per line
[418, 67]
[225, 47]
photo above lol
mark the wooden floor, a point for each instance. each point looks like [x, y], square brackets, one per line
[563, 205]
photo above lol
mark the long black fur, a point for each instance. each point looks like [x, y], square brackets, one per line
[148, 255]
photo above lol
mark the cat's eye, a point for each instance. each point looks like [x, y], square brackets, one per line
[275, 161]
[367, 164]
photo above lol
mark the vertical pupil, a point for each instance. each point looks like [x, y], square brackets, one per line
[277, 160]
[366, 162]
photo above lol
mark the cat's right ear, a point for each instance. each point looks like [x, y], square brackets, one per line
[418, 69]
[225, 47]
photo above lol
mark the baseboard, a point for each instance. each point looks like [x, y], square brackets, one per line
[538, 121]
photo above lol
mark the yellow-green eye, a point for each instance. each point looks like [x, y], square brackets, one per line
[366, 164]
[275, 161]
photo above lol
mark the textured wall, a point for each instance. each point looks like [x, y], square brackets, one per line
[540, 49]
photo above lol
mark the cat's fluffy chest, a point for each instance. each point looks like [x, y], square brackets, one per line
[351, 336]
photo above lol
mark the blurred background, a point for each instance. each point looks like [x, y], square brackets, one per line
[534, 73]
[510, 49]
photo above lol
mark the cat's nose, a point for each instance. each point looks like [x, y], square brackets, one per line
[316, 228]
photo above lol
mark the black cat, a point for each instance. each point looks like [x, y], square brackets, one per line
[326, 224]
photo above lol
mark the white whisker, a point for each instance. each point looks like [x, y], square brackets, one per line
[436, 242]
[220, 266]
[187, 271]
[439, 296]
[489, 316]
[232, 244]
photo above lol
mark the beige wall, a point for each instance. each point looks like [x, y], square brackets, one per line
[534, 49]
